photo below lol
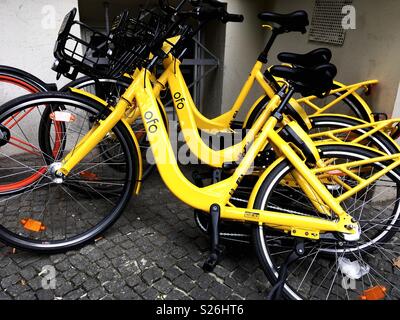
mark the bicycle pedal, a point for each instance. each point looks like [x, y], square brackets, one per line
[216, 176]
[228, 166]
[210, 264]
[380, 116]
[198, 177]
[237, 124]
[213, 259]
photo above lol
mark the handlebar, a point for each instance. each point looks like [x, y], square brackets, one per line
[206, 12]
[203, 10]
[229, 17]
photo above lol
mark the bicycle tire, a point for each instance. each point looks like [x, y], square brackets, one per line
[264, 248]
[15, 238]
[27, 82]
[20, 77]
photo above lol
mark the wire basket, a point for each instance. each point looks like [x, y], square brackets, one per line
[132, 38]
[81, 49]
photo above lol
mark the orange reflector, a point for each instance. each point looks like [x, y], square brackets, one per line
[139, 134]
[396, 262]
[62, 116]
[336, 173]
[88, 175]
[374, 293]
[33, 225]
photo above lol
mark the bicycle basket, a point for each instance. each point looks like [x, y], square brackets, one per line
[133, 37]
[80, 48]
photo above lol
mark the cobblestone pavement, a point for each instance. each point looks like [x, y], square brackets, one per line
[154, 251]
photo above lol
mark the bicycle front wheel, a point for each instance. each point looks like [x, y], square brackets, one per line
[332, 267]
[48, 214]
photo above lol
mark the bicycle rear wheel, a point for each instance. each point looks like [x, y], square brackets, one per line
[332, 267]
[14, 83]
[51, 214]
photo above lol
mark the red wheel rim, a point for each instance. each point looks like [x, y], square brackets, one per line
[24, 145]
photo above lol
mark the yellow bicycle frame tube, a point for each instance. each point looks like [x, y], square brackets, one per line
[184, 105]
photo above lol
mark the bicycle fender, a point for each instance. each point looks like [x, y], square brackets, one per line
[260, 181]
[139, 157]
[136, 143]
[89, 95]
[250, 112]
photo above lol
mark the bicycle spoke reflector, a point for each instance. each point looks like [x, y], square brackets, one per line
[396, 262]
[91, 176]
[374, 293]
[62, 116]
[33, 225]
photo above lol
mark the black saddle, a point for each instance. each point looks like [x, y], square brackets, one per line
[315, 81]
[311, 59]
[295, 21]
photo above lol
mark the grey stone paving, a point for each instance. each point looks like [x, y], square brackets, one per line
[155, 251]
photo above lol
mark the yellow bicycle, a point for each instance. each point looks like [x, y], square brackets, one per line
[341, 221]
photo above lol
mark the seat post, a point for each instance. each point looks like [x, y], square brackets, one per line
[264, 54]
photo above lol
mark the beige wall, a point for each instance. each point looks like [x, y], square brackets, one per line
[243, 43]
[370, 52]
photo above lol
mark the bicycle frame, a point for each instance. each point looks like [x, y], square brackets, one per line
[142, 92]
[191, 119]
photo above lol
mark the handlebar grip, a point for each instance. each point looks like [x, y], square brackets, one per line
[208, 12]
[232, 18]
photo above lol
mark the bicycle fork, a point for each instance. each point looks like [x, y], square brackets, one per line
[98, 132]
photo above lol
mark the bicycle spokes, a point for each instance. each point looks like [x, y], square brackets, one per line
[38, 205]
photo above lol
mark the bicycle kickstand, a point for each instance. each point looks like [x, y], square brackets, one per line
[216, 248]
[296, 254]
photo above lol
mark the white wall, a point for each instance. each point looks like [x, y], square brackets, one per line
[28, 30]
